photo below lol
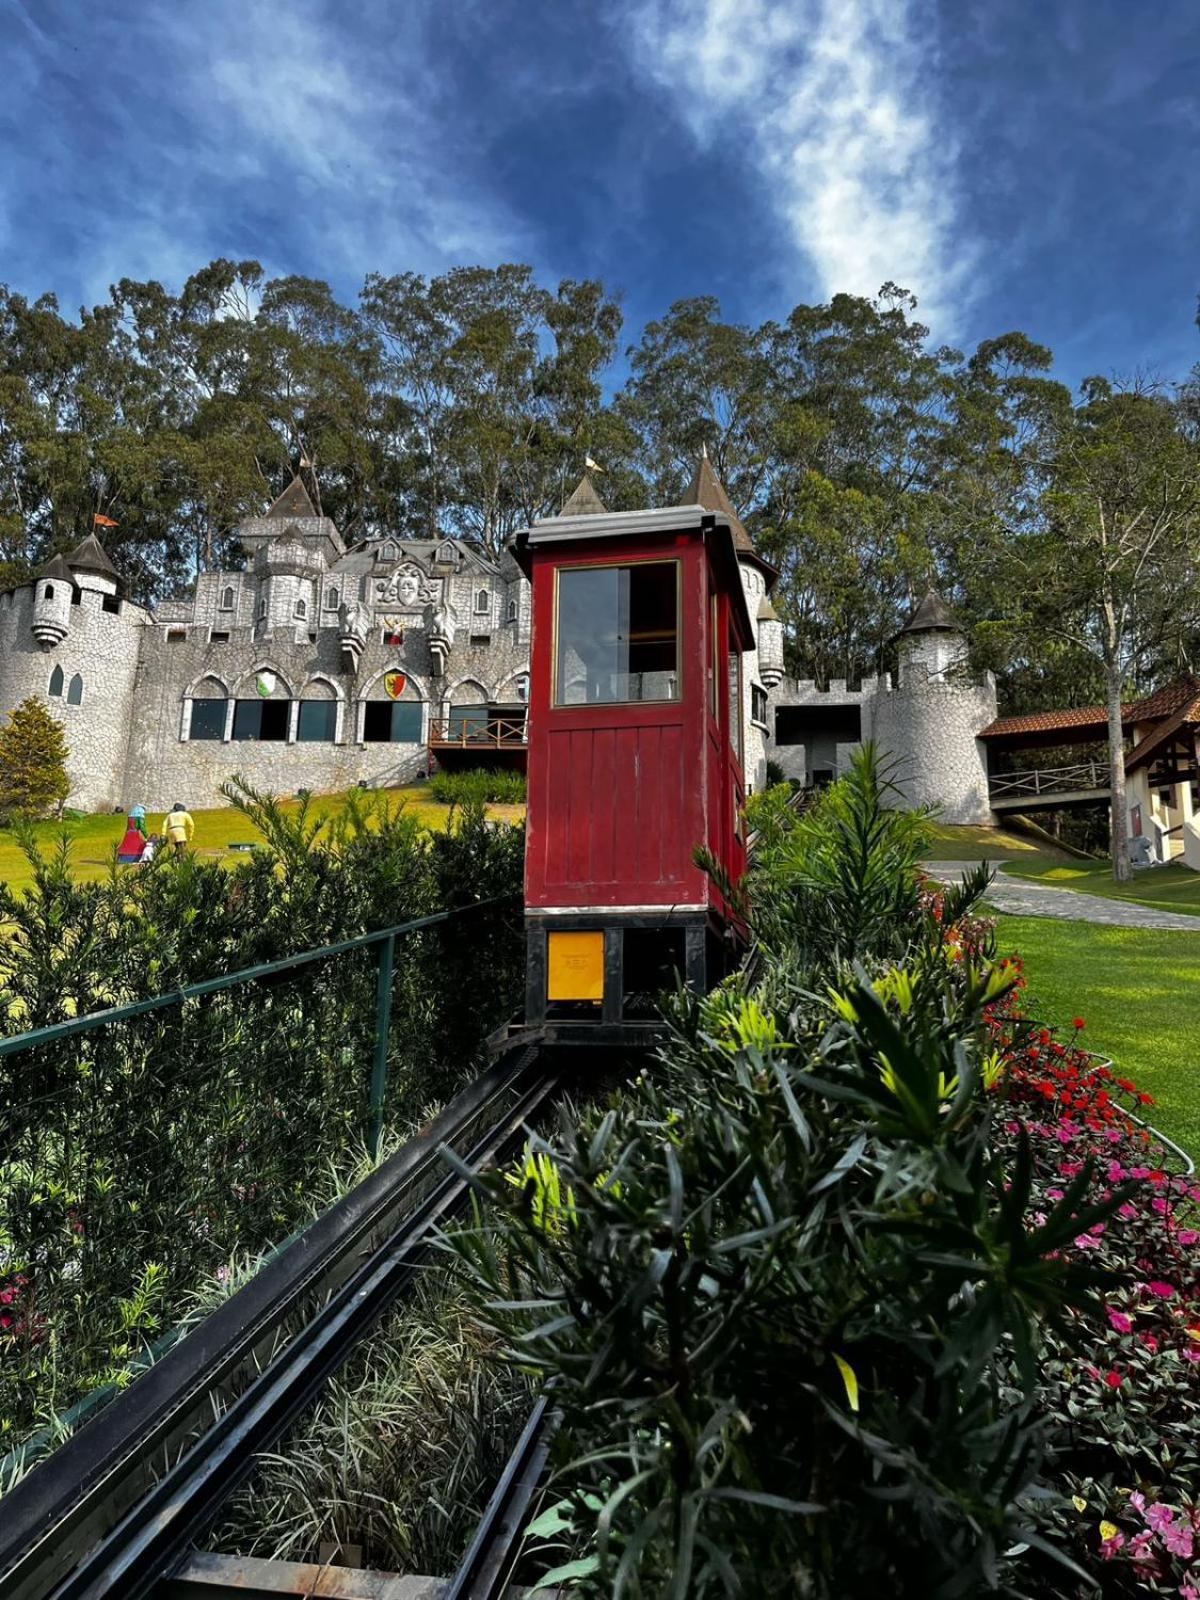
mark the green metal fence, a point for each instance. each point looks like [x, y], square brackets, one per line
[144, 1146]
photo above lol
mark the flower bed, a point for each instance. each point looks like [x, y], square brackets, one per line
[1121, 1389]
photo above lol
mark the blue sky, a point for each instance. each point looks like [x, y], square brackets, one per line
[1016, 163]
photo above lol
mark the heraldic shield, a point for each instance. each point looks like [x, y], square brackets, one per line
[394, 683]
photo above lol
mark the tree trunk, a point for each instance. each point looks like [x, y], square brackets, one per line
[1122, 871]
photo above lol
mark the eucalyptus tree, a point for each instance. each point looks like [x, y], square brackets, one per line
[1110, 566]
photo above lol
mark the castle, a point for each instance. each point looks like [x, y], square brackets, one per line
[320, 666]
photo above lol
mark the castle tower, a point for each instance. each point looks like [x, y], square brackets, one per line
[928, 722]
[291, 546]
[50, 620]
[761, 667]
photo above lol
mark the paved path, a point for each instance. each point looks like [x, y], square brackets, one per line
[1022, 897]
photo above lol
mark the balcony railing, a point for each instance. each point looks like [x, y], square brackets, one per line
[477, 733]
[1086, 775]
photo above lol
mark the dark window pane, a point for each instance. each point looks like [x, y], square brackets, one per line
[318, 718]
[57, 678]
[75, 691]
[276, 714]
[208, 719]
[617, 633]
[247, 719]
[467, 720]
[377, 722]
[406, 722]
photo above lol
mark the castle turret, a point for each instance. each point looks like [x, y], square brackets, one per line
[769, 631]
[91, 568]
[930, 719]
[52, 590]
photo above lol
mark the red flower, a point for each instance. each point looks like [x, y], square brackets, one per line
[1113, 1379]
[1078, 1022]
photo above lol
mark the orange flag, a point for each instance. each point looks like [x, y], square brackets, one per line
[104, 522]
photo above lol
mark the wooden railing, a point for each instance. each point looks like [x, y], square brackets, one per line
[475, 733]
[1085, 776]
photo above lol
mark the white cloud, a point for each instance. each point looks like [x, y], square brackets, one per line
[836, 104]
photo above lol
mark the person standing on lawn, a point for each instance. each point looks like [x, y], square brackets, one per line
[179, 827]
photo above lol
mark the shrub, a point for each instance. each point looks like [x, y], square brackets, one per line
[790, 1290]
[33, 764]
[478, 786]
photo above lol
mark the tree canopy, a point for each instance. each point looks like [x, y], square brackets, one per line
[868, 462]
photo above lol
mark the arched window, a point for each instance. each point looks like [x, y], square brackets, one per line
[48, 592]
[331, 599]
[56, 684]
[512, 610]
[75, 691]
[209, 710]
[317, 721]
[227, 599]
[483, 602]
[301, 610]
[262, 608]
[521, 686]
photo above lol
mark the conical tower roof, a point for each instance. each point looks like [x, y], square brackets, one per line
[57, 568]
[931, 616]
[293, 502]
[584, 501]
[91, 556]
[707, 490]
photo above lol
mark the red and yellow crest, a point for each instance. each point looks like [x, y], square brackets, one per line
[394, 683]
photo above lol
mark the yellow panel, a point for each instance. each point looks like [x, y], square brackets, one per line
[575, 966]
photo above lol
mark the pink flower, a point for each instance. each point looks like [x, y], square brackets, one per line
[1137, 1501]
[1159, 1516]
[1116, 1172]
[1084, 1241]
[1120, 1321]
[1178, 1540]
[1164, 1291]
[1138, 1546]
[1160, 1205]
[1098, 1228]
[1192, 1353]
[1071, 1169]
[1187, 1237]
[1054, 1194]
[1150, 1342]
[1139, 1172]
[1110, 1546]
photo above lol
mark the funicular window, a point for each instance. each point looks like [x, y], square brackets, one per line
[617, 633]
[264, 720]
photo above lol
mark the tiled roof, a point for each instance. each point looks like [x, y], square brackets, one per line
[293, 502]
[1178, 698]
[707, 490]
[931, 615]
[91, 556]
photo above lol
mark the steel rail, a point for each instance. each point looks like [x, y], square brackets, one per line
[76, 1493]
[155, 1534]
[492, 1554]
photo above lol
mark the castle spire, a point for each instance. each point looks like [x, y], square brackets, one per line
[583, 501]
[707, 490]
[294, 502]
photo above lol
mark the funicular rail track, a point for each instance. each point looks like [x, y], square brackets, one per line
[96, 1520]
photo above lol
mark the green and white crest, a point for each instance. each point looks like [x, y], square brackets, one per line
[265, 682]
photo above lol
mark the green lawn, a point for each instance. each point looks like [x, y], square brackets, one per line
[94, 838]
[962, 843]
[1173, 888]
[1138, 989]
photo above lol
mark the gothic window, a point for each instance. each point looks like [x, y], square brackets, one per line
[262, 608]
[75, 691]
[388, 552]
[331, 600]
[227, 599]
[512, 610]
[392, 722]
[48, 592]
[208, 717]
[483, 602]
[522, 687]
[265, 720]
[301, 611]
[56, 684]
[758, 704]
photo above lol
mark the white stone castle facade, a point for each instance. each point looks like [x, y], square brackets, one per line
[320, 666]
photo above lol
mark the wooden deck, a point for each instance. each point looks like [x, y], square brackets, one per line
[1049, 788]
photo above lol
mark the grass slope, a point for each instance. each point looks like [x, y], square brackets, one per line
[1173, 888]
[953, 842]
[95, 838]
[1138, 989]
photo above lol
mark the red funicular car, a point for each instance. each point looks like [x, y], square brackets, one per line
[635, 759]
